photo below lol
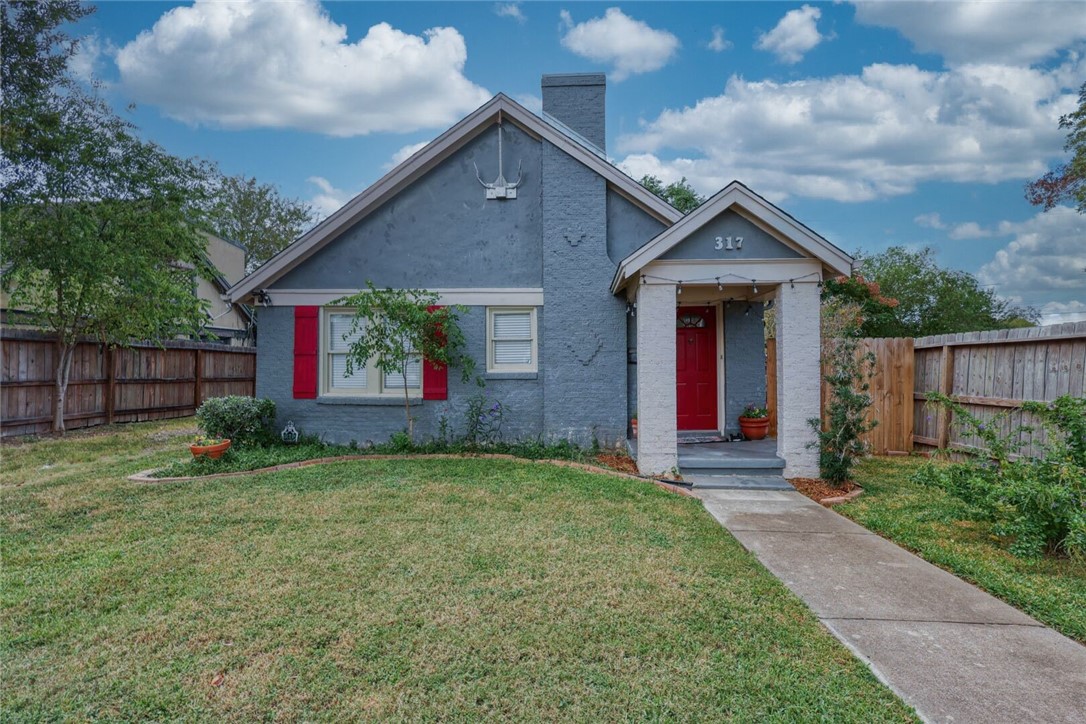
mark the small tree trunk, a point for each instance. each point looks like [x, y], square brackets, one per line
[63, 373]
[407, 405]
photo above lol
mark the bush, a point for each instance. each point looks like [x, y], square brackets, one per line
[1039, 502]
[840, 443]
[244, 420]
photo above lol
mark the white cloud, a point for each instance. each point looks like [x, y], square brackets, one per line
[718, 43]
[969, 230]
[405, 153]
[795, 34]
[629, 45]
[930, 221]
[248, 64]
[1061, 312]
[510, 10]
[328, 198]
[970, 32]
[530, 101]
[1045, 259]
[867, 136]
[84, 64]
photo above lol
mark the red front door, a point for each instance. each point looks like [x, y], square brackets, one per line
[695, 368]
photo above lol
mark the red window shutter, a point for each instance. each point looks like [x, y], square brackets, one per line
[306, 340]
[435, 377]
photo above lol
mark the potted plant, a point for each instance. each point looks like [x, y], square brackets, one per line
[633, 426]
[212, 447]
[754, 422]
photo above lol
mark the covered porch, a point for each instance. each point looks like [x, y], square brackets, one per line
[697, 294]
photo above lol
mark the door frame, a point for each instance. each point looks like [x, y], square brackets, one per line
[718, 308]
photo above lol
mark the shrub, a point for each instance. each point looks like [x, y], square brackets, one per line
[484, 420]
[244, 420]
[1039, 502]
[839, 444]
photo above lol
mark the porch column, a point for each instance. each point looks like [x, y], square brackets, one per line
[657, 446]
[799, 376]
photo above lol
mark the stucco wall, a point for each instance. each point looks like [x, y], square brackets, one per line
[744, 356]
[757, 244]
[339, 420]
[441, 232]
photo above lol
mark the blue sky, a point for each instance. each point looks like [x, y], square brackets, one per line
[875, 123]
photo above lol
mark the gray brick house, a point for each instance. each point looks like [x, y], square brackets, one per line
[590, 299]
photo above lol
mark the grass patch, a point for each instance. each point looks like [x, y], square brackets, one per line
[452, 589]
[952, 534]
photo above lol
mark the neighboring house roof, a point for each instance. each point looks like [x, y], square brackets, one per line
[752, 207]
[429, 157]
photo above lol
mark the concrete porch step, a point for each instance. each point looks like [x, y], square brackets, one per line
[736, 482]
[716, 465]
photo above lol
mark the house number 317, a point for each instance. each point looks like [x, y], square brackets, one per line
[725, 243]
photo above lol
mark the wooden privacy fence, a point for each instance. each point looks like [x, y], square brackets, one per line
[986, 372]
[891, 390]
[129, 384]
[992, 372]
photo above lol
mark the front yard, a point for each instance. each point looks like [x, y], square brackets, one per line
[949, 533]
[391, 589]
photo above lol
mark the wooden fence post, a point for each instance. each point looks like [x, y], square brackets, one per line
[110, 385]
[198, 386]
[946, 387]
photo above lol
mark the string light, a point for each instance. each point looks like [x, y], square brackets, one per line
[719, 286]
[755, 282]
[792, 283]
[679, 290]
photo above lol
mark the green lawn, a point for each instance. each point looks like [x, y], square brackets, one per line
[453, 590]
[949, 533]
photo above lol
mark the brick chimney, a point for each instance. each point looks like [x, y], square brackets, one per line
[577, 100]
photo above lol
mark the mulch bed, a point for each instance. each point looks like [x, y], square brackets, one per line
[621, 463]
[819, 490]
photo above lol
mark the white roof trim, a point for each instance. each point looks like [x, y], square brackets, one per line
[426, 159]
[734, 194]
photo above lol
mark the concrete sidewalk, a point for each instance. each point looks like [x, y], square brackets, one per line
[947, 648]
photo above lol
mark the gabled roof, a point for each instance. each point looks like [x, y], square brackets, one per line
[430, 156]
[751, 206]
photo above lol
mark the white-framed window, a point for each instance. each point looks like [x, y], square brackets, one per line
[511, 339]
[364, 380]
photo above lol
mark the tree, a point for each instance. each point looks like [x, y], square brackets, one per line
[98, 225]
[679, 194]
[34, 57]
[395, 327]
[930, 300]
[1067, 182]
[256, 216]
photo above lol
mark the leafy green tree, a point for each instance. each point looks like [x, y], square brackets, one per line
[1067, 182]
[255, 215]
[930, 299]
[99, 234]
[395, 327]
[34, 57]
[679, 194]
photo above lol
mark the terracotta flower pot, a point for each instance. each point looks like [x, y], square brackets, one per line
[212, 451]
[754, 428]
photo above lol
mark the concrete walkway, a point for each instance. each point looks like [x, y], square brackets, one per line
[947, 648]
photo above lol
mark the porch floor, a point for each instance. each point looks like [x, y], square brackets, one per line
[745, 465]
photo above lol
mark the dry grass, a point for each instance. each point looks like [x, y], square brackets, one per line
[379, 590]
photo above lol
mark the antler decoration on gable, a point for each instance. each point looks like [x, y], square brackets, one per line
[500, 189]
